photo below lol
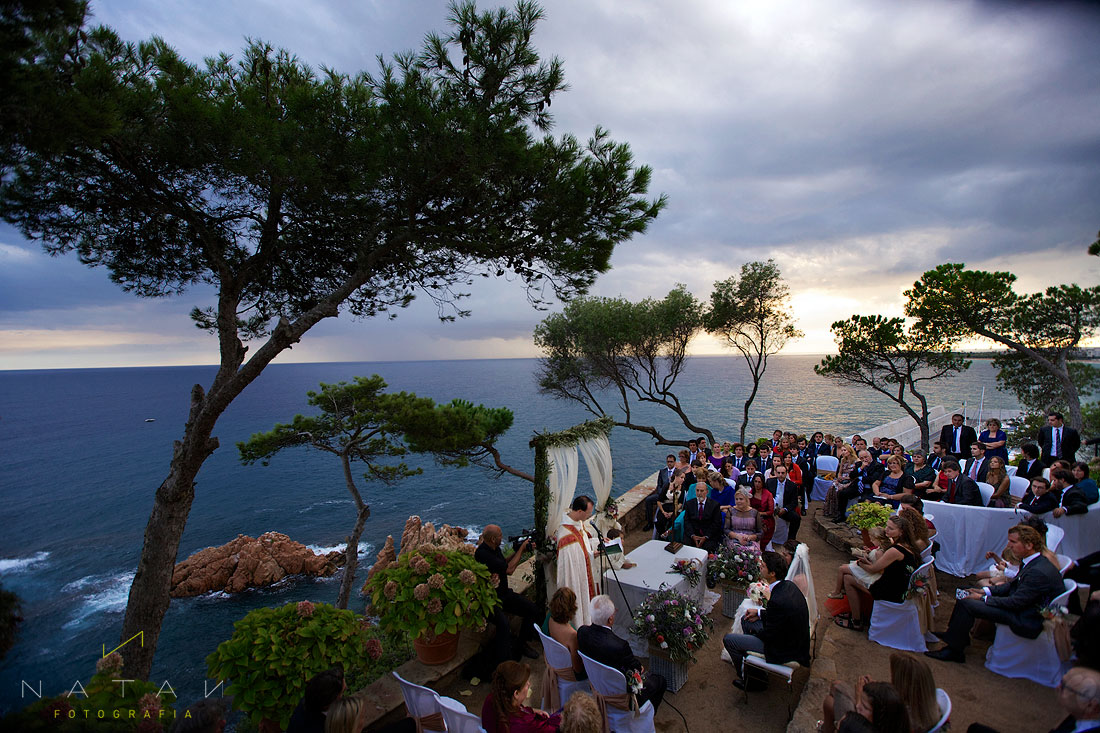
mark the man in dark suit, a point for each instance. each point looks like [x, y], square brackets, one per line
[1016, 604]
[703, 520]
[738, 458]
[781, 631]
[664, 475]
[599, 642]
[1030, 466]
[862, 479]
[1071, 499]
[818, 447]
[960, 489]
[786, 494]
[1058, 440]
[957, 438]
[977, 467]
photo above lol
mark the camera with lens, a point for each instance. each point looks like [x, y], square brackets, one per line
[524, 536]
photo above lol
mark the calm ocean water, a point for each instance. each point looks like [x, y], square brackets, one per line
[79, 465]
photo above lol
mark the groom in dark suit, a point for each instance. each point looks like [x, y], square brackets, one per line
[780, 631]
[599, 642]
[1016, 604]
[1058, 440]
[703, 520]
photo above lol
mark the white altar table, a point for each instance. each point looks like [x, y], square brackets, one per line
[650, 571]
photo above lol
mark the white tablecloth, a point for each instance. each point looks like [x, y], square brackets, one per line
[650, 571]
[966, 533]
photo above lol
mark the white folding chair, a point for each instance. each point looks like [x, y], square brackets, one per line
[1054, 536]
[423, 705]
[1010, 470]
[786, 671]
[1017, 486]
[558, 658]
[828, 463]
[1046, 474]
[986, 491]
[610, 682]
[926, 557]
[1064, 563]
[1033, 659]
[458, 718]
[897, 625]
[944, 703]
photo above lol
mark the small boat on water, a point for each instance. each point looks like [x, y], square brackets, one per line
[150, 419]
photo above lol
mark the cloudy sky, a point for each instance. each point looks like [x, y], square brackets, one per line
[857, 142]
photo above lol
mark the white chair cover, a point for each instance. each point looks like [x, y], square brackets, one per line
[827, 463]
[986, 491]
[563, 483]
[558, 657]
[1046, 474]
[782, 529]
[1010, 470]
[610, 682]
[897, 625]
[1064, 562]
[1054, 536]
[1033, 659]
[423, 705]
[597, 456]
[1017, 486]
[458, 718]
[944, 703]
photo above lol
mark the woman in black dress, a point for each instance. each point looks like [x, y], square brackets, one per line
[896, 565]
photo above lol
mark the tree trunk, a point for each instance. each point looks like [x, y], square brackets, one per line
[352, 559]
[748, 403]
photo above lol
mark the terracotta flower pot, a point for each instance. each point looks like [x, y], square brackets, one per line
[439, 650]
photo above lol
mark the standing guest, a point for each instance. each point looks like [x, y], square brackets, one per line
[511, 603]
[997, 477]
[1058, 440]
[1029, 466]
[960, 489]
[777, 437]
[977, 467]
[1071, 500]
[957, 438]
[1039, 499]
[322, 690]
[575, 547]
[563, 607]
[693, 450]
[995, 440]
[704, 449]
[923, 474]
[346, 715]
[1016, 604]
[718, 456]
[764, 504]
[743, 525]
[599, 642]
[786, 501]
[780, 631]
[703, 520]
[664, 476]
[581, 715]
[1084, 483]
[505, 709]
[896, 565]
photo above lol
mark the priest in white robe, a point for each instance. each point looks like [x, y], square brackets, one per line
[576, 545]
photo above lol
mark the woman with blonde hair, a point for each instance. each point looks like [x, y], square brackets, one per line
[346, 715]
[847, 461]
[504, 710]
[912, 678]
[581, 715]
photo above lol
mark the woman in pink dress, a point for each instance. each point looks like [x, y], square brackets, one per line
[764, 503]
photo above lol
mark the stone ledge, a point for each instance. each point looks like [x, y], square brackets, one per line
[840, 536]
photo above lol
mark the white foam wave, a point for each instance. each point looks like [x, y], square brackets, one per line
[109, 594]
[328, 502]
[20, 564]
[365, 548]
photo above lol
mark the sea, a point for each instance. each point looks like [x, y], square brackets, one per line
[80, 462]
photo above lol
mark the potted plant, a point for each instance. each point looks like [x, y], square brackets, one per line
[274, 652]
[734, 568]
[675, 627]
[431, 594]
[867, 514]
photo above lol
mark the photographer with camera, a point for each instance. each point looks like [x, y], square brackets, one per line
[488, 553]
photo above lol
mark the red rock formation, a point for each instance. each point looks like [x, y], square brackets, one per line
[247, 562]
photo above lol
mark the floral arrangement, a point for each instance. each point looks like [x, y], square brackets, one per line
[672, 622]
[689, 569]
[737, 565]
[274, 651]
[868, 514]
[1053, 613]
[432, 591]
[917, 583]
[634, 683]
[759, 593]
[611, 507]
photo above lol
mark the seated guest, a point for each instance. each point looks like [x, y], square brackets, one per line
[703, 520]
[794, 469]
[960, 489]
[745, 479]
[581, 715]
[915, 502]
[780, 631]
[776, 461]
[1029, 466]
[346, 715]
[683, 462]
[1084, 483]
[923, 474]
[920, 527]
[896, 565]
[322, 690]
[1079, 695]
[599, 642]
[664, 477]
[670, 505]
[764, 504]
[1016, 604]
[819, 446]
[846, 461]
[911, 677]
[730, 473]
[563, 606]
[695, 474]
[861, 480]
[1071, 499]
[977, 466]
[997, 477]
[939, 454]
[721, 493]
[1039, 499]
[752, 453]
[786, 495]
[693, 450]
[737, 457]
[879, 705]
[895, 482]
[743, 525]
[1004, 568]
[504, 709]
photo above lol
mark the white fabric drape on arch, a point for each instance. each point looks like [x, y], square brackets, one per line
[563, 482]
[597, 456]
